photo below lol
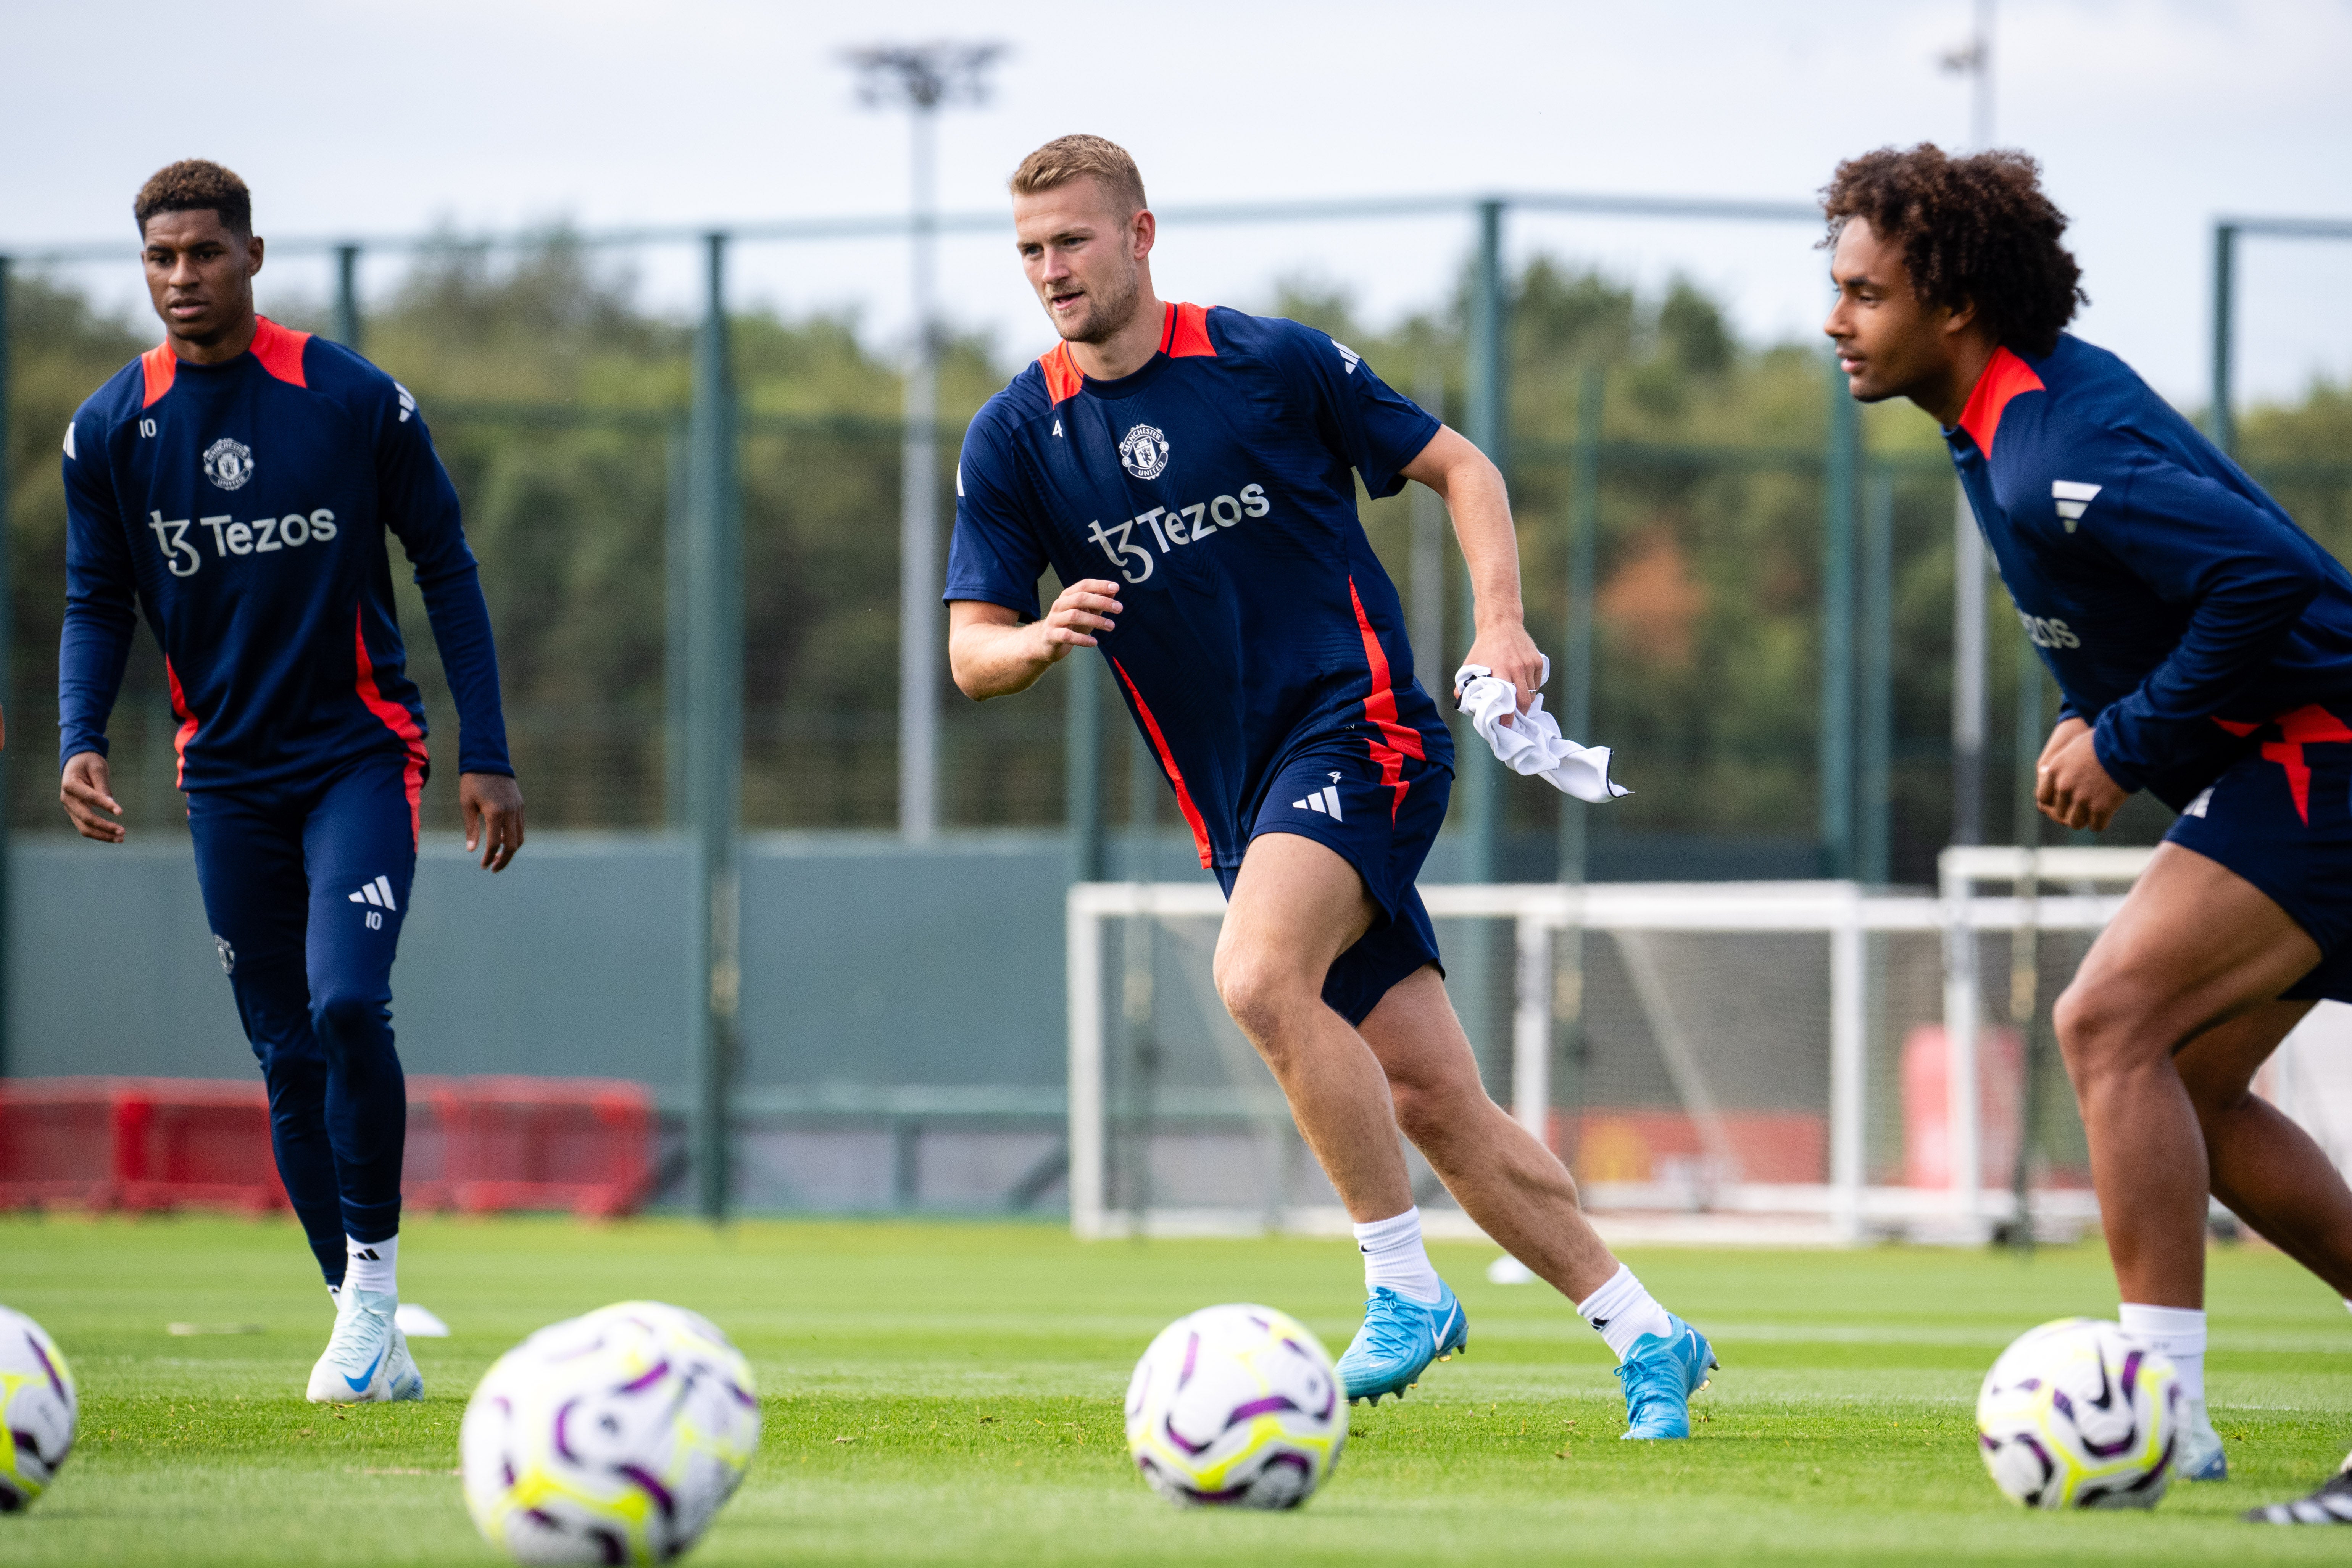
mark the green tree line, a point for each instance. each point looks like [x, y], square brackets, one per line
[556, 397]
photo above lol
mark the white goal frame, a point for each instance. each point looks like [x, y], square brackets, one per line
[1846, 911]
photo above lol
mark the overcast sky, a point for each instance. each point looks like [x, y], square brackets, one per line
[2149, 117]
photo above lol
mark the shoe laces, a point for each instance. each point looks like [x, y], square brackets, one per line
[1650, 1378]
[1388, 1327]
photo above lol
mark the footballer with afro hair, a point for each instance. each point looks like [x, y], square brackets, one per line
[2203, 644]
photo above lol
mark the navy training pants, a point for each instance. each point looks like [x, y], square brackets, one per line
[306, 884]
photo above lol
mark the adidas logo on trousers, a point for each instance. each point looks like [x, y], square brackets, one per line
[379, 893]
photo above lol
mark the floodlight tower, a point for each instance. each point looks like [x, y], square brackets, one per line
[921, 78]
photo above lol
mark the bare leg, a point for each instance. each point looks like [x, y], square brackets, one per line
[1513, 1188]
[1296, 906]
[2194, 946]
[2265, 1168]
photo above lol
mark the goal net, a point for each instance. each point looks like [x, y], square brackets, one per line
[1773, 1061]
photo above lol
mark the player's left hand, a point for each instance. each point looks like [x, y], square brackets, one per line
[2071, 788]
[1512, 655]
[493, 806]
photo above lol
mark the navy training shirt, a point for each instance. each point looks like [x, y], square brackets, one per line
[1215, 484]
[243, 505]
[2176, 603]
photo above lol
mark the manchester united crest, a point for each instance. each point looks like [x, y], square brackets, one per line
[1143, 452]
[228, 464]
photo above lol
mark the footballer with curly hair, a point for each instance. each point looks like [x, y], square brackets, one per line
[2203, 644]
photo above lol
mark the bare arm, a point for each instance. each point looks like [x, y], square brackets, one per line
[992, 652]
[1471, 488]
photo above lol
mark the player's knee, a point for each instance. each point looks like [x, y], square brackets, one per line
[1429, 1109]
[1260, 995]
[2099, 1024]
[348, 1018]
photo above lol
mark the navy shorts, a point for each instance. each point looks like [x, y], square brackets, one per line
[2281, 818]
[1332, 791]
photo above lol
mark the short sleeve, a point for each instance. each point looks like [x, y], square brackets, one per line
[1378, 429]
[995, 554]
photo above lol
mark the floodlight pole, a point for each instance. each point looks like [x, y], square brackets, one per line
[1872, 850]
[1969, 673]
[1837, 630]
[921, 78]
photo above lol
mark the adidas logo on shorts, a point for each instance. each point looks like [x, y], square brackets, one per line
[378, 892]
[1325, 800]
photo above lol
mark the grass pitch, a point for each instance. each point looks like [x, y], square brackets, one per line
[950, 1393]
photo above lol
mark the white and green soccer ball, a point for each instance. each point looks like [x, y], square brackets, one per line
[612, 1438]
[2077, 1414]
[1235, 1405]
[39, 1408]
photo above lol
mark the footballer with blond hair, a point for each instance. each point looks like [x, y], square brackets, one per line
[1189, 474]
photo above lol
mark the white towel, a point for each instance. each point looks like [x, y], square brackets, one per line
[1532, 744]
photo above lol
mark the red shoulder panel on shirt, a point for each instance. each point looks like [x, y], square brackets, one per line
[2005, 376]
[279, 350]
[1187, 336]
[157, 364]
[1063, 380]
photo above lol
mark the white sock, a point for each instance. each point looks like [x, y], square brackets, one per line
[1623, 1311]
[2178, 1333]
[1394, 1257]
[372, 1265]
[335, 1293]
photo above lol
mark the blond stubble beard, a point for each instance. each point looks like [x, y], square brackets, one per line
[1109, 317]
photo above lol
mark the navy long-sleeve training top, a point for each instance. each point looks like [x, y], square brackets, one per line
[244, 506]
[2176, 603]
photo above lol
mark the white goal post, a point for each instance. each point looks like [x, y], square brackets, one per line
[2072, 889]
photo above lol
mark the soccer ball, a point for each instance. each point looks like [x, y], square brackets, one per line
[37, 1410]
[613, 1438]
[2077, 1414]
[1235, 1405]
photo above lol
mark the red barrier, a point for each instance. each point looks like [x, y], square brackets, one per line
[475, 1144]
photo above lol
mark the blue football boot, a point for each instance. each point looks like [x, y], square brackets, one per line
[1398, 1340]
[1660, 1375]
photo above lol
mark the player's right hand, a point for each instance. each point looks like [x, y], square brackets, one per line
[83, 789]
[1086, 606]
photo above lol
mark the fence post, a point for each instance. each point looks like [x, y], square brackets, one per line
[715, 736]
[1837, 630]
[1874, 838]
[678, 622]
[2220, 422]
[1575, 638]
[347, 296]
[1478, 772]
[7, 645]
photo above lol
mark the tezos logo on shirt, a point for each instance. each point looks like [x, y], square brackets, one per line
[228, 464]
[1143, 452]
